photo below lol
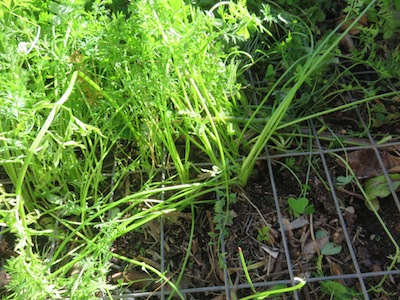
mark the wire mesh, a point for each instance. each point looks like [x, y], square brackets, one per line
[357, 274]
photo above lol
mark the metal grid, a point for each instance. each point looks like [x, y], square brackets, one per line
[322, 154]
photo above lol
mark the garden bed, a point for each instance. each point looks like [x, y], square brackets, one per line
[256, 230]
[167, 149]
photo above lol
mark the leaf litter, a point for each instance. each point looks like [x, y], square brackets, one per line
[365, 163]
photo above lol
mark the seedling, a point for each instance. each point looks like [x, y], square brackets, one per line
[333, 288]
[263, 234]
[300, 206]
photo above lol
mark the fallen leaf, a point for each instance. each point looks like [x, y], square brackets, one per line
[347, 42]
[391, 162]
[373, 204]
[272, 252]
[365, 164]
[346, 23]
[378, 187]
[298, 223]
[336, 270]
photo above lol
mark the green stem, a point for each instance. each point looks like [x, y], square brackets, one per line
[262, 295]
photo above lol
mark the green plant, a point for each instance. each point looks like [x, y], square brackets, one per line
[223, 218]
[335, 289]
[378, 187]
[263, 234]
[338, 291]
[91, 94]
[155, 91]
[300, 206]
[315, 13]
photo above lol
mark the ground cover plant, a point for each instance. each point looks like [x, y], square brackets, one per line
[123, 120]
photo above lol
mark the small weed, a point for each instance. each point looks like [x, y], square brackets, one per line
[263, 234]
[335, 289]
[300, 206]
[290, 162]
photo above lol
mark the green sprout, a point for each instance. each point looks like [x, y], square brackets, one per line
[263, 234]
[300, 206]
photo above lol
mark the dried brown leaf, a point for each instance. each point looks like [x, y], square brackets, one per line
[365, 164]
[298, 223]
[336, 270]
[356, 29]
[272, 252]
[347, 42]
